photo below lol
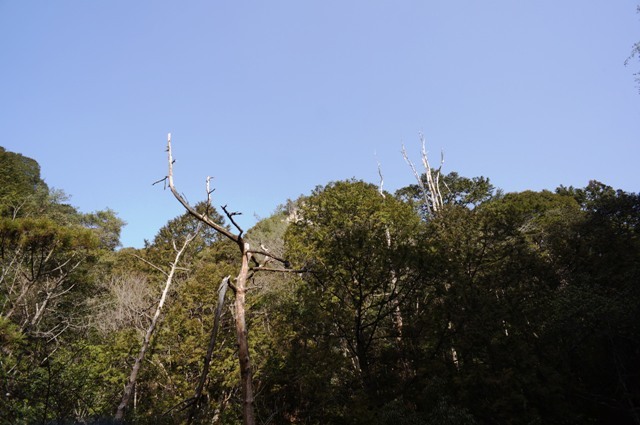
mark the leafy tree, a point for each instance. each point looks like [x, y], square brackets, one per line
[19, 180]
[107, 225]
[174, 359]
[528, 306]
[356, 245]
[596, 312]
[184, 224]
[475, 326]
[50, 255]
[511, 308]
[44, 282]
[39, 261]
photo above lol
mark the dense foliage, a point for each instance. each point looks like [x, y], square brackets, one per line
[517, 308]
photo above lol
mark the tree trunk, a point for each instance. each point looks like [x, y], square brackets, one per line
[243, 343]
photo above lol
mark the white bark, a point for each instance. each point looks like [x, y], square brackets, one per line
[147, 338]
[431, 191]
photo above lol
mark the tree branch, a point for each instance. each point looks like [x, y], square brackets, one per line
[271, 269]
[150, 264]
[202, 217]
[230, 216]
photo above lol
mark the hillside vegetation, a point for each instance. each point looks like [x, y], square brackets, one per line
[484, 308]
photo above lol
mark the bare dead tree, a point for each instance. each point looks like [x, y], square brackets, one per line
[126, 396]
[431, 188]
[247, 256]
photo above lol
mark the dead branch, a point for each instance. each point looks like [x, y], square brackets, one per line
[164, 179]
[272, 269]
[268, 254]
[202, 217]
[230, 216]
[149, 263]
[381, 179]
[209, 192]
[419, 180]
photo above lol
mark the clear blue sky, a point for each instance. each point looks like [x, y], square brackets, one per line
[275, 97]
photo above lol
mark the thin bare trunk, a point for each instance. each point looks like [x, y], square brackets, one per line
[222, 290]
[147, 338]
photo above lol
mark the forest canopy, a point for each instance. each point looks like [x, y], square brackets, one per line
[490, 308]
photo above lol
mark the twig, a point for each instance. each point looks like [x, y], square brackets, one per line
[271, 269]
[150, 264]
[230, 216]
[164, 179]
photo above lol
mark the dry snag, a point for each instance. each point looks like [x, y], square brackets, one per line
[195, 401]
[431, 188]
[239, 288]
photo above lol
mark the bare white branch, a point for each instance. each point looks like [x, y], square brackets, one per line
[431, 191]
